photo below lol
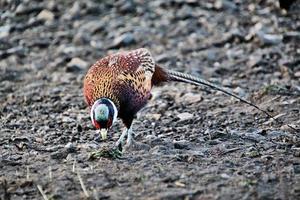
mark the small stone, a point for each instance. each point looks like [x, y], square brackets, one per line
[276, 134]
[296, 168]
[185, 116]
[253, 60]
[39, 140]
[92, 26]
[269, 39]
[97, 44]
[297, 74]
[60, 154]
[127, 7]
[76, 64]
[181, 144]
[46, 15]
[252, 152]
[296, 154]
[20, 9]
[26, 10]
[73, 12]
[81, 38]
[4, 31]
[67, 119]
[164, 57]
[155, 116]
[225, 176]
[191, 98]
[234, 54]
[52, 5]
[254, 136]
[67, 49]
[239, 91]
[269, 177]
[70, 147]
[125, 39]
[226, 5]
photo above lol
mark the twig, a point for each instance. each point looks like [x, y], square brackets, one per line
[74, 164]
[82, 184]
[231, 150]
[42, 192]
[50, 173]
[27, 173]
[95, 194]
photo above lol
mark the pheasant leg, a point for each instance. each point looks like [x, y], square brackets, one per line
[121, 138]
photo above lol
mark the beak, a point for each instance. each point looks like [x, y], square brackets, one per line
[103, 133]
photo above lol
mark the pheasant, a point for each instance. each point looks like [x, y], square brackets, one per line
[119, 85]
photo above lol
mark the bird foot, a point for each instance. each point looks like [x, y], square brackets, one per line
[136, 146]
[118, 146]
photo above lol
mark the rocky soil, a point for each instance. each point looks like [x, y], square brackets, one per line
[201, 144]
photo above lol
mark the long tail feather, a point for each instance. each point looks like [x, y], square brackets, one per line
[162, 75]
[181, 77]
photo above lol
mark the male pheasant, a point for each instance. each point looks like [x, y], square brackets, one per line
[119, 85]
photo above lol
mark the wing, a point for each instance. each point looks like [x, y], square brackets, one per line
[137, 68]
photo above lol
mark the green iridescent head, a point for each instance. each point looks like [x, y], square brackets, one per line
[103, 114]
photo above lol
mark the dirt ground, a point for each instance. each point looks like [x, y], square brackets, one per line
[202, 144]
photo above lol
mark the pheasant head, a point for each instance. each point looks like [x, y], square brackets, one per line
[103, 114]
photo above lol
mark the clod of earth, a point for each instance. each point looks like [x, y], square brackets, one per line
[111, 153]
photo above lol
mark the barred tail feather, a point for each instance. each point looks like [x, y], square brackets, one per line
[181, 77]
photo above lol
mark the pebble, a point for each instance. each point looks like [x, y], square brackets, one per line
[296, 168]
[73, 12]
[4, 31]
[24, 10]
[127, 7]
[182, 144]
[67, 119]
[60, 154]
[276, 134]
[225, 4]
[70, 147]
[185, 116]
[241, 92]
[93, 26]
[154, 116]
[18, 50]
[97, 44]
[46, 15]
[76, 64]
[190, 98]
[67, 49]
[254, 136]
[296, 152]
[125, 39]
[269, 39]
